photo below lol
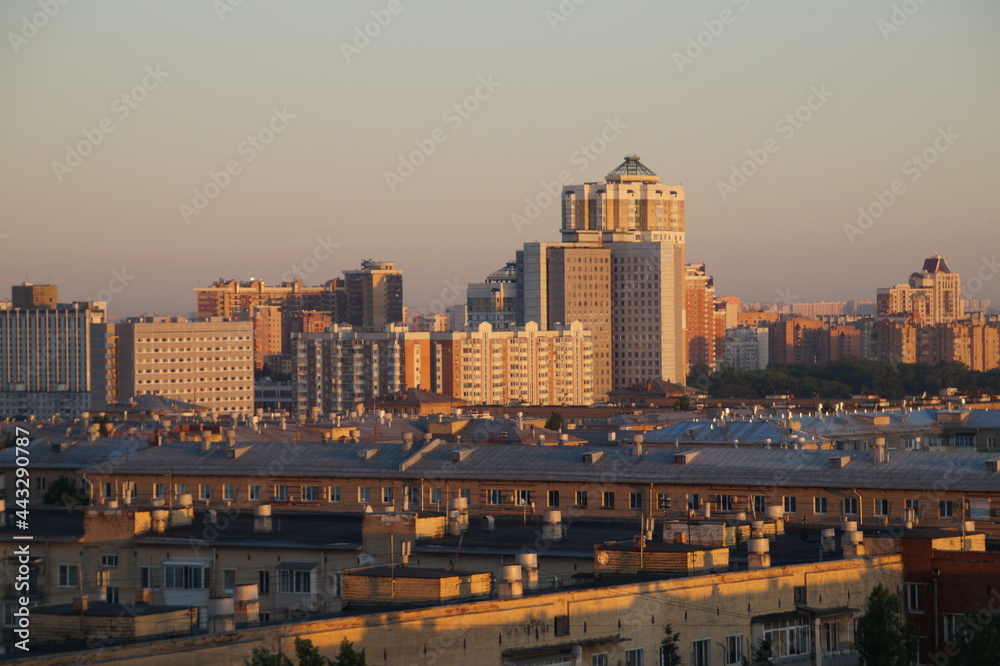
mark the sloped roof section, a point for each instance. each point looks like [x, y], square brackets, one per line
[631, 167]
[936, 264]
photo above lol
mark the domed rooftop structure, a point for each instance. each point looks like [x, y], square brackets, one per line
[632, 170]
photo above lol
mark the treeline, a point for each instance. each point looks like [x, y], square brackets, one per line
[842, 379]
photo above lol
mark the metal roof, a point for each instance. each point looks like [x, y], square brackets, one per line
[631, 167]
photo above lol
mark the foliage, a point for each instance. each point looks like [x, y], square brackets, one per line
[683, 404]
[671, 647]
[348, 656]
[64, 492]
[763, 653]
[554, 422]
[977, 639]
[308, 654]
[261, 656]
[847, 377]
[882, 638]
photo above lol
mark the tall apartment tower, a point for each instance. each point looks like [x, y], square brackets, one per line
[934, 295]
[374, 295]
[619, 271]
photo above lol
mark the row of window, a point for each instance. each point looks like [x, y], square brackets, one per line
[198, 577]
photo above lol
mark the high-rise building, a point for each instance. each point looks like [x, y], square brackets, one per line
[341, 367]
[747, 348]
[374, 295]
[239, 300]
[29, 296]
[52, 356]
[934, 295]
[619, 270]
[700, 322]
[493, 301]
[205, 362]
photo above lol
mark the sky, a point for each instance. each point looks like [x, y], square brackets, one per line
[825, 148]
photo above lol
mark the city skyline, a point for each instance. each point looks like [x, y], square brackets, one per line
[326, 146]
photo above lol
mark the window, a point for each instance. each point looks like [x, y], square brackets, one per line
[180, 489]
[581, 500]
[991, 443]
[553, 497]
[111, 595]
[734, 649]
[110, 561]
[159, 490]
[635, 500]
[436, 496]
[663, 501]
[228, 580]
[263, 582]
[281, 493]
[40, 484]
[106, 489]
[204, 491]
[9, 620]
[851, 505]
[229, 492]
[831, 635]
[944, 509]
[951, 622]
[145, 578]
[634, 657]
[692, 502]
[185, 577]
[596, 660]
[702, 652]
[254, 492]
[789, 503]
[523, 497]
[914, 598]
[789, 638]
[608, 500]
[881, 507]
[308, 493]
[466, 493]
[364, 494]
[819, 505]
[726, 502]
[387, 495]
[494, 496]
[561, 625]
[69, 575]
[294, 582]
[334, 493]
[759, 504]
[915, 505]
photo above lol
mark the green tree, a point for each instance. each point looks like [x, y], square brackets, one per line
[882, 638]
[763, 654]
[977, 639]
[671, 647]
[308, 654]
[554, 422]
[348, 656]
[64, 492]
[261, 656]
[682, 404]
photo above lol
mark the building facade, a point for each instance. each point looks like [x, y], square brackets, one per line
[933, 296]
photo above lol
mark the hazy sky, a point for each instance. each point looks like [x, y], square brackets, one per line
[115, 115]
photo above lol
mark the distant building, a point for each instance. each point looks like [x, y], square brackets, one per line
[747, 348]
[208, 363]
[53, 360]
[933, 296]
[374, 295]
[494, 301]
[700, 335]
[239, 300]
[29, 296]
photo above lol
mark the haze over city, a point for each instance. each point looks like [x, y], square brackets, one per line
[422, 141]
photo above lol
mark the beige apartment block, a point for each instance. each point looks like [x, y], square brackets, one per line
[204, 362]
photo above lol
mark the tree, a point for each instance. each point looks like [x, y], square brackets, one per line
[671, 647]
[261, 656]
[308, 654]
[763, 653]
[977, 639]
[63, 492]
[882, 638]
[682, 404]
[348, 656]
[554, 422]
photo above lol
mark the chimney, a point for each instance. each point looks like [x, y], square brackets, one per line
[246, 605]
[404, 552]
[759, 556]
[529, 565]
[510, 582]
[520, 421]
[552, 527]
[852, 541]
[221, 615]
[829, 540]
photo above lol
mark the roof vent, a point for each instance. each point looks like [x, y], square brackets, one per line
[458, 455]
[993, 465]
[839, 462]
[592, 457]
[367, 454]
[684, 458]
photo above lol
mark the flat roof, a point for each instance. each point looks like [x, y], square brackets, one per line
[388, 571]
